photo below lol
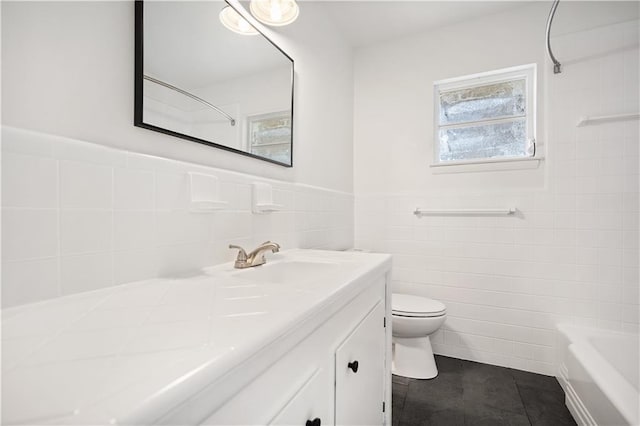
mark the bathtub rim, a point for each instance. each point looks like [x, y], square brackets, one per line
[617, 389]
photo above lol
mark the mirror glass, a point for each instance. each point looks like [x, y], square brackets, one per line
[197, 80]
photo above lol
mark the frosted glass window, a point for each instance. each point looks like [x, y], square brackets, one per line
[483, 141]
[486, 117]
[505, 99]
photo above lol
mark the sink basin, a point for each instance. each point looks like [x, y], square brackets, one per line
[288, 272]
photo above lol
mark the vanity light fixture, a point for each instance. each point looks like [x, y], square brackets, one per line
[275, 12]
[233, 21]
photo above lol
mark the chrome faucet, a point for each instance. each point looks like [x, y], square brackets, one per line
[256, 257]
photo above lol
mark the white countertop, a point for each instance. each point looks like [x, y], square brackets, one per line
[129, 354]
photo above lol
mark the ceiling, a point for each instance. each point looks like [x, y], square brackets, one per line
[184, 32]
[372, 21]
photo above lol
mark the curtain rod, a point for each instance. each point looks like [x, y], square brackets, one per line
[557, 68]
[190, 95]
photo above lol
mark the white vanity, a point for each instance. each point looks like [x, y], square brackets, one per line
[302, 340]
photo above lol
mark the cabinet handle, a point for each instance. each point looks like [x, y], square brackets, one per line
[314, 422]
[354, 366]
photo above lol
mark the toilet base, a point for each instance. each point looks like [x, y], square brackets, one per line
[413, 358]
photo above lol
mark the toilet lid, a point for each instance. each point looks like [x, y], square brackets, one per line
[416, 306]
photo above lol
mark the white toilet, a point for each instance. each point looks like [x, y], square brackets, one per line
[415, 318]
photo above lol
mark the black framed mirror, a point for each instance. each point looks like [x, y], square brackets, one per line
[197, 80]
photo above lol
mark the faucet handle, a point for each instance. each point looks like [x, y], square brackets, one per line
[242, 254]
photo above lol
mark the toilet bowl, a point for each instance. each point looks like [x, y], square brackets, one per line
[415, 318]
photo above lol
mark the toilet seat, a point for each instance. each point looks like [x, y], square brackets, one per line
[407, 305]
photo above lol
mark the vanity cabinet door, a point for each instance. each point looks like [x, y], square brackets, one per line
[359, 364]
[309, 406]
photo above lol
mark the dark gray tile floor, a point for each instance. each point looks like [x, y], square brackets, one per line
[473, 394]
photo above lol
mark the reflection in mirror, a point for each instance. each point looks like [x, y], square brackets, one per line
[197, 80]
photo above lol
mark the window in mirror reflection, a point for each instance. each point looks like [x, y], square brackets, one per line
[270, 135]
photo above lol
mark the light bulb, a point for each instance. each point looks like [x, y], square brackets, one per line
[244, 25]
[233, 21]
[275, 12]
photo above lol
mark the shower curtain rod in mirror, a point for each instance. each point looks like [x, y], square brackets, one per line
[190, 95]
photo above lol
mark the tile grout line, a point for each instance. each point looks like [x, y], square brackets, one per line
[524, 406]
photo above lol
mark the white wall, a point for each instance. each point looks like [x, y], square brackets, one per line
[571, 252]
[86, 206]
[68, 68]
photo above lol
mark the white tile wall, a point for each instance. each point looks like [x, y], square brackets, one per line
[39, 190]
[85, 185]
[570, 253]
[78, 216]
[29, 234]
[85, 231]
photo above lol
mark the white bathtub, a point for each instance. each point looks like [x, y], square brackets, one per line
[599, 370]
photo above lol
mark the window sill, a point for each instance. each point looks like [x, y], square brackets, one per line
[487, 165]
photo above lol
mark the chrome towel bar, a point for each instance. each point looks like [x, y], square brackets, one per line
[464, 212]
[584, 121]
